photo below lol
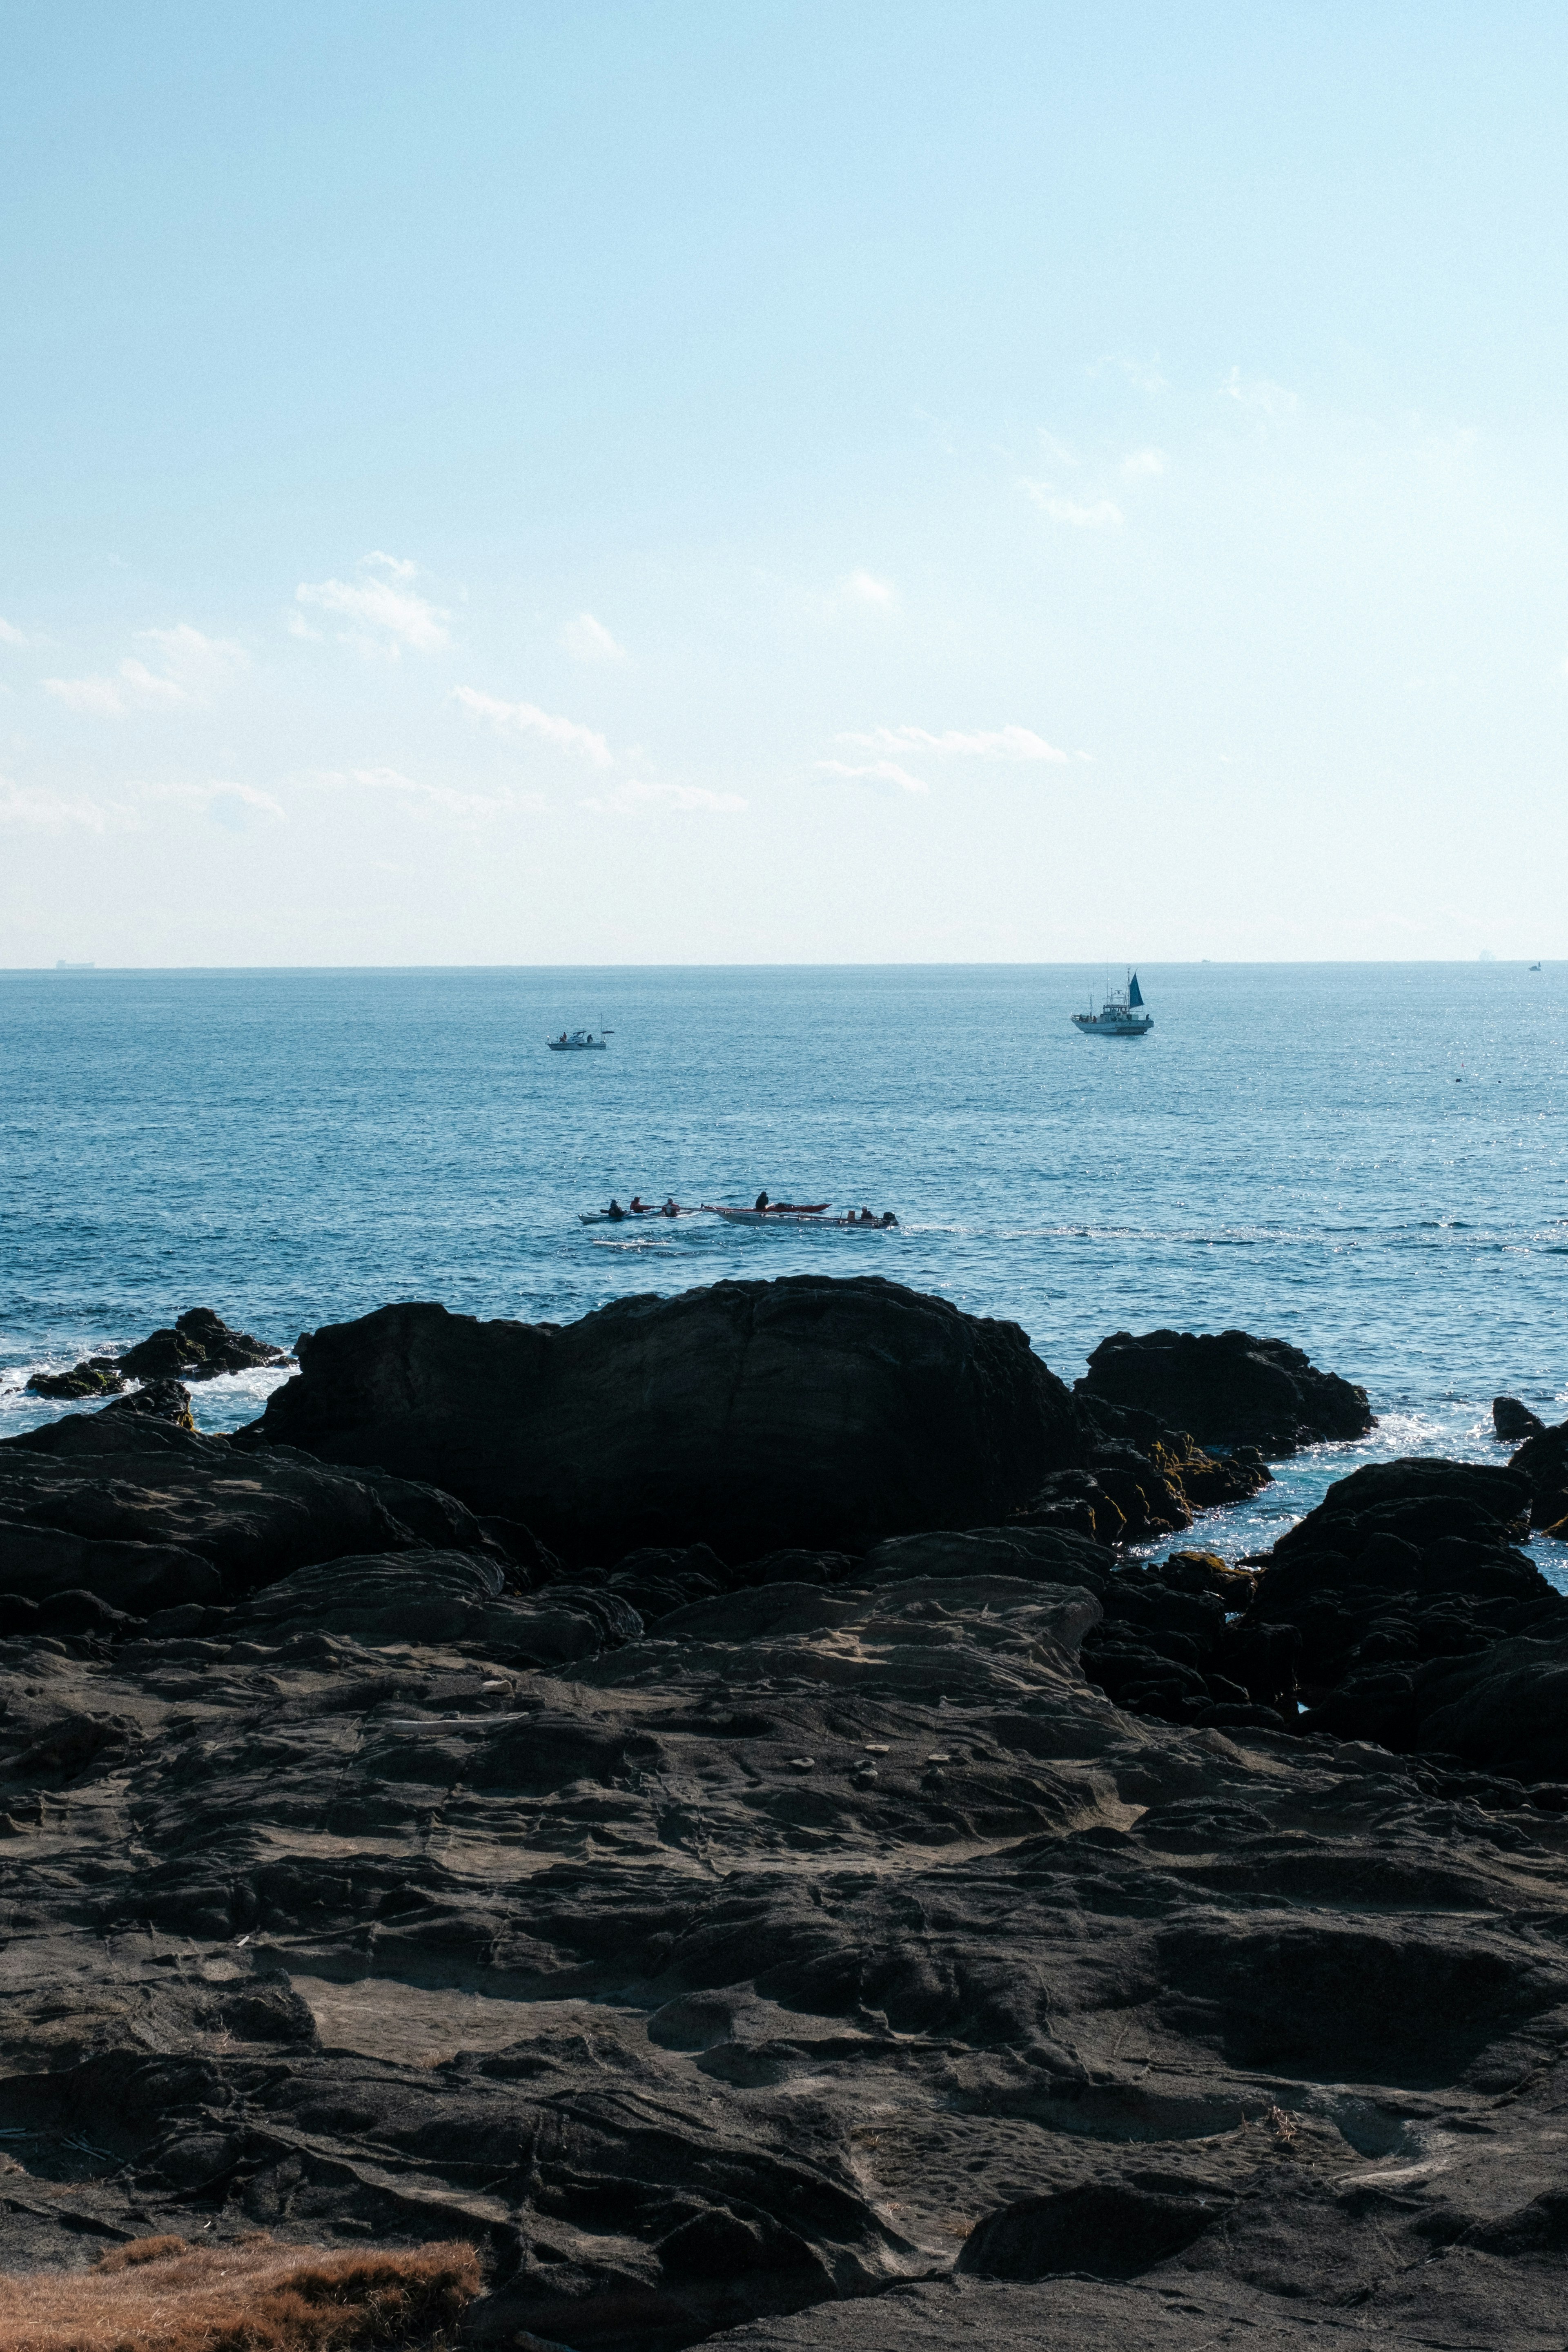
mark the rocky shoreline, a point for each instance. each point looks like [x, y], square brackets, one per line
[699, 1804]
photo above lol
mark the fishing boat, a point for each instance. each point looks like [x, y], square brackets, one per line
[1120, 1015]
[580, 1041]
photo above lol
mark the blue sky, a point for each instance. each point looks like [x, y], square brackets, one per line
[696, 482]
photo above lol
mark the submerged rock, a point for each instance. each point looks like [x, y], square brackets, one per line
[751, 1416]
[1227, 1388]
[197, 1346]
[1514, 1421]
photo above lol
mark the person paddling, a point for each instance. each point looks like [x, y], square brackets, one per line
[616, 1211]
[760, 1202]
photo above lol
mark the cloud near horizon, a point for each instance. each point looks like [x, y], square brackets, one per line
[636, 794]
[521, 721]
[436, 797]
[982, 743]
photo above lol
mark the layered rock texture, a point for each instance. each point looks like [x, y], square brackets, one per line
[775, 1947]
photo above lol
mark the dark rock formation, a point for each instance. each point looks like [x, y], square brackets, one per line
[1415, 1622]
[1542, 1461]
[147, 1515]
[1514, 1421]
[95, 1376]
[1227, 1388]
[751, 1416]
[197, 1346]
[159, 1401]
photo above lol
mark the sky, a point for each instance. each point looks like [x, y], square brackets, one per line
[618, 481]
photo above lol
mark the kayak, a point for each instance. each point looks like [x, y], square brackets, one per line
[634, 1217]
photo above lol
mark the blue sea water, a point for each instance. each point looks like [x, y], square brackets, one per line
[1369, 1161]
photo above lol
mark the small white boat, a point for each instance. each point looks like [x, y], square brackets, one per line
[1119, 1016]
[580, 1041]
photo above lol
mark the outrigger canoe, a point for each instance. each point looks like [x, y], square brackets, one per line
[813, 1217]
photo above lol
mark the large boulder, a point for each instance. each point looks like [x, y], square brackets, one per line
[1227, 1388]
[752, 1416]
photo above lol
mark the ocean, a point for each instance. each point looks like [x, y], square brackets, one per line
[1369, 1161]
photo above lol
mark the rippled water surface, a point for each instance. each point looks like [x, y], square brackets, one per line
[1369, 1161]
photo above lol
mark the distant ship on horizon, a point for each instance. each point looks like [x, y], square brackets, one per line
[1119, 1016]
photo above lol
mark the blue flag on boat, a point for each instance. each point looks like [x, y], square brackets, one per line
[1134, 994]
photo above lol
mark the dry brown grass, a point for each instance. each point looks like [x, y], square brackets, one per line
[163, 2295]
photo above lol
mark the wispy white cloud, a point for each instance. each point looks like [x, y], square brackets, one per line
[10, 634]
[979, 743]
[1144, 376]
[1083, 514]
[587, 639]
[133, 688]
[635, 794]
[198, 663]
[195, 667]
[25, 805]
[233, 808]
[1139, 465]
[418, 794]
[865, 588]
[521, 721]
[386, 612]
[1263, 397]
[879, 771]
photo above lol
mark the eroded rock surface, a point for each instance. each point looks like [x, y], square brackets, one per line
[751, 1417]
[827, 1965]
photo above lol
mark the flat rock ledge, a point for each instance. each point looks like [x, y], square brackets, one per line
[816, 1955]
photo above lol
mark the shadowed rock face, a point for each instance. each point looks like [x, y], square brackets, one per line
[751, 1416]
[1227, 1388]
